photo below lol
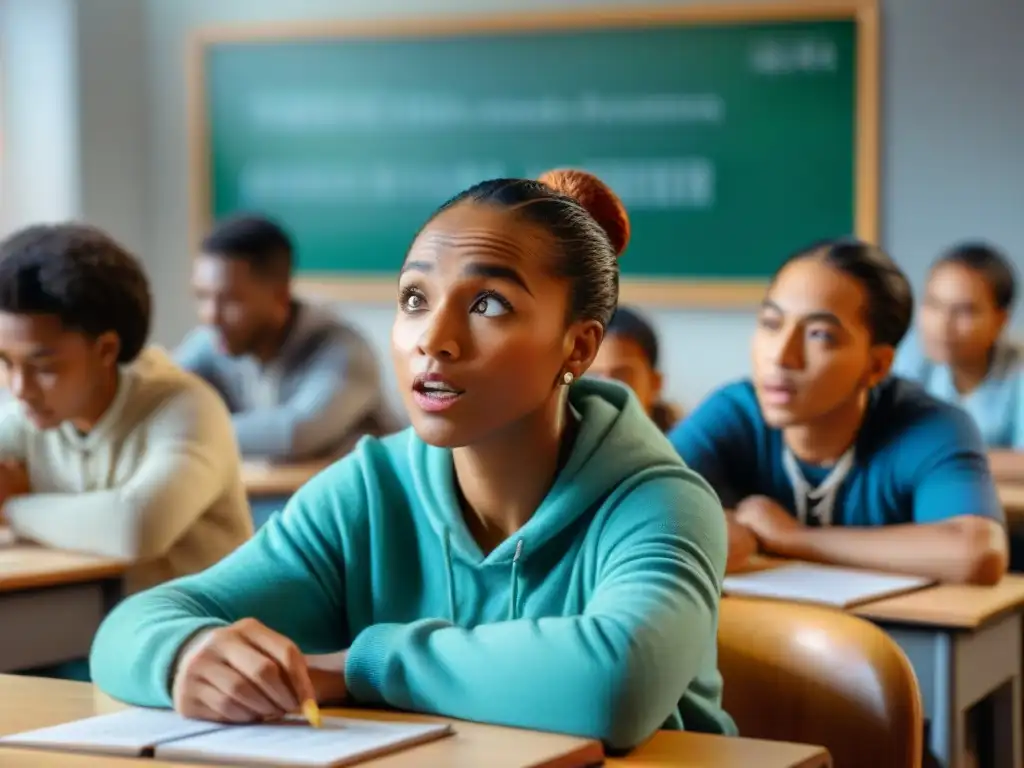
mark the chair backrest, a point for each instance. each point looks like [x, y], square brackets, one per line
[819, 676]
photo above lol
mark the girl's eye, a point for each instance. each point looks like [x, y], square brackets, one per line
[490, 306]
[411, 301]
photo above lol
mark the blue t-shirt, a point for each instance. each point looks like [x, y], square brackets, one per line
[918, 459]
[996, 405]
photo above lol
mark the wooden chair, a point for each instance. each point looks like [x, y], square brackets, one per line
[815, 675]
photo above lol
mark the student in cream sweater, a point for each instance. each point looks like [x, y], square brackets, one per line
[107, 447]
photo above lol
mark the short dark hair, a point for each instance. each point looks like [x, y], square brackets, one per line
[587, 222]
[991, 264]
[890, 307]
[630, 324]
[83, 276]
[261, 243]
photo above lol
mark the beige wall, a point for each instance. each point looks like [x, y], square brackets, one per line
[953, 118]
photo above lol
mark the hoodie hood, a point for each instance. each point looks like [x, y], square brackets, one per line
[616, 441]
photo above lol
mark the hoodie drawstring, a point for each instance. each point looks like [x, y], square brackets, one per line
[513, 603]
[446, 546]
[449, 574]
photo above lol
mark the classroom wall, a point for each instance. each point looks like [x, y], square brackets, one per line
[39, 163]
[115, 125]
[953, 115]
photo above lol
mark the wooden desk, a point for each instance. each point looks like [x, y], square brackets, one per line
[269, 486]
[262, 480]
[965, 644]
[28, 703]
[954, 606]
[690, 750]
[51, 603]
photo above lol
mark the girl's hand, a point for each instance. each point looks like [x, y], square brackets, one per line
[242, 673]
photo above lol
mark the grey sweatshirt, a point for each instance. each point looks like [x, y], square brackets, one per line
[315, 399]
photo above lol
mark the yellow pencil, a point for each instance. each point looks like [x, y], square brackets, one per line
[311, 712]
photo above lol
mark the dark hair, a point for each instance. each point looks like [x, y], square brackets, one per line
[630, 324]
[256, 240]
[81, 275]
[890, 298]
[991, 264]
[586, 220]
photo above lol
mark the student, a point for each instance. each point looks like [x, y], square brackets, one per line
[531, 553]
[961, 355]
[822, 456]
[629, 353]
[109, 448]
[300, 383]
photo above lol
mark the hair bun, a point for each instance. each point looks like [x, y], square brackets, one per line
[597, 198]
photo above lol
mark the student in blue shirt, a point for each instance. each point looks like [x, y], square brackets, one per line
[960, 353]
[823, 456]
[532, 552]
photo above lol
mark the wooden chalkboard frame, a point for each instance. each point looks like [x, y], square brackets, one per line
[670, 293]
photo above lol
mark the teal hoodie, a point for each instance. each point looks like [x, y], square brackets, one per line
[597, 618]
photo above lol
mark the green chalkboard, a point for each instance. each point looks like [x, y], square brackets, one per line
[731, 142]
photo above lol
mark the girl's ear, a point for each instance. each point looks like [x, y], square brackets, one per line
[582, 340]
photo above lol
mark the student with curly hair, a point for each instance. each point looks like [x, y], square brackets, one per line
[108, 448]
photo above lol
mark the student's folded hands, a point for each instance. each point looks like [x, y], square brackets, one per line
[242, 673]
[772, 525]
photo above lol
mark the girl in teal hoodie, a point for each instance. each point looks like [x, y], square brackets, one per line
[531, 553]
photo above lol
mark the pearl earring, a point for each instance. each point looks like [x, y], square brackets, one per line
[567, 378]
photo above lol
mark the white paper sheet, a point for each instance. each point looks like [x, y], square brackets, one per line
[823, 584]
[129, 732]
[341, 741]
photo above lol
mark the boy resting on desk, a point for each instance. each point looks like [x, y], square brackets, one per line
[300, 383]
[822, 456]
[110, 449]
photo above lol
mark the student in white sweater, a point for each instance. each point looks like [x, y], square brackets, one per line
[107, 447]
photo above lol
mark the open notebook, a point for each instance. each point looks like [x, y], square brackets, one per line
[822, 584]
[168, 736]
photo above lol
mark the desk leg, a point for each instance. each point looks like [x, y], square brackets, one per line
[931, 654]
[955, 671]
[113, 591]
[1009, 751]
